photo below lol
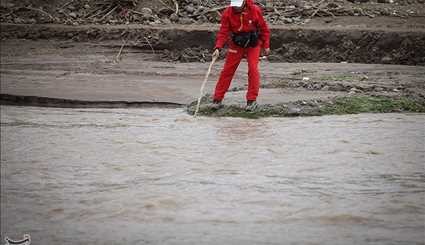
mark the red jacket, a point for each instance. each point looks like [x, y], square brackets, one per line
[251, 19]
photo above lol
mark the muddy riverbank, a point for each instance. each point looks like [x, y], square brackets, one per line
[402, 43]
[75, 74]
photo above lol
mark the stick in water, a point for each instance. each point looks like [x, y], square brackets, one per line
[203, 85]
[118, 57]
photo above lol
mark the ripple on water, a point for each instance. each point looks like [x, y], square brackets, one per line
[152, 174]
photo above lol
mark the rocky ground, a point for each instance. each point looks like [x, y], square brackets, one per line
[382, 31]
[77, 12]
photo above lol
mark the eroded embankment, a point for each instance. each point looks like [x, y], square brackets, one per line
[20, 100]
[318, 107]
[289, 44]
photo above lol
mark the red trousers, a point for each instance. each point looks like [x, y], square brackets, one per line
[233, 58]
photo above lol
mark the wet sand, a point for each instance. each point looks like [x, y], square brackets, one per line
[87, 72]
[159, 176]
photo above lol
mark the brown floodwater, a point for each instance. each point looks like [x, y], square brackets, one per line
[160, 176]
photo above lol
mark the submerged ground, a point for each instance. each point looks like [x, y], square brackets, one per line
[160, 176]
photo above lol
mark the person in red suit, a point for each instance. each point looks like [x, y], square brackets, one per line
[246, 33]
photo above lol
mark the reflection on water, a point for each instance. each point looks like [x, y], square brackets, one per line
[154, 176]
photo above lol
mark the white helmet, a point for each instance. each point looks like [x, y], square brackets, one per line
[236, 3]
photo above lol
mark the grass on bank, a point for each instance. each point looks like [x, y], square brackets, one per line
[371, 104]
[337, 106]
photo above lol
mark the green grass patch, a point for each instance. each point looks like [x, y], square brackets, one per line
[336, 106]
[371, 104]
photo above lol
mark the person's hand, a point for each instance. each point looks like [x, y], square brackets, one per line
[267, 51]
[216, 53]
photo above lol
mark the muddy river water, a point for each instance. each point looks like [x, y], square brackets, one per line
[159, 176]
